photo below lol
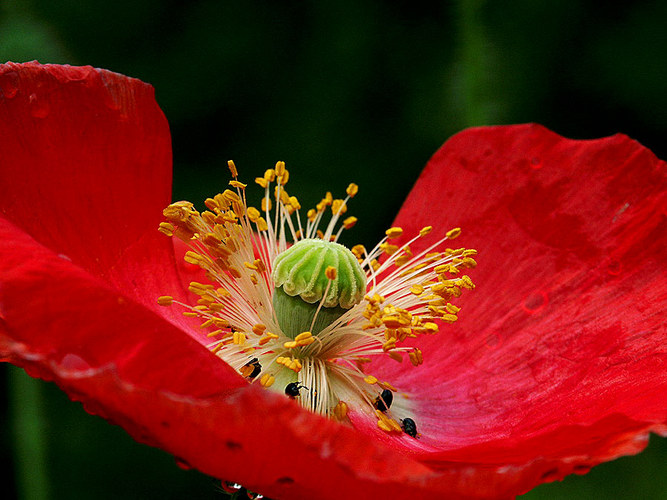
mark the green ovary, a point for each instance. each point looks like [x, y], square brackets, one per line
[302, 285]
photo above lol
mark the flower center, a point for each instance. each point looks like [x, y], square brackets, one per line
[291, 309]
[316, 282]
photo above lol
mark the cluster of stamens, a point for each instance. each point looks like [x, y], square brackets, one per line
[290, 308]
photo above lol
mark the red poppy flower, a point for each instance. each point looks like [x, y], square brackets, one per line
[556, 364]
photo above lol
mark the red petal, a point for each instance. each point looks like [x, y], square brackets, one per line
[558, 360]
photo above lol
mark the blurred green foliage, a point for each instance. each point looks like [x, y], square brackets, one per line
[361, 91]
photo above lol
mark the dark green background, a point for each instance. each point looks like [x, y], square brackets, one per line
[342, 91]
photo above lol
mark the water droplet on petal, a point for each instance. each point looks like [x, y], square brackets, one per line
[9, 84]
[78, 73]
[493, 340]
[230, 486]
[614, 267]
[183, 464]
[75, 363]
[39, 107]
[535, 302]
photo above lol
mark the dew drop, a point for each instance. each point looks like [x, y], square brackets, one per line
[535, 302]
[581, 469]
[39, 108]
[614, 267]
[183, 464]
[535, 163]
[9, 84]
[549, 476]
[493, 340]
[77, 73]
[230, 486]
[75, 363]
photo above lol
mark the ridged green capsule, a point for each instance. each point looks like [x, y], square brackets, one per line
[301, 283]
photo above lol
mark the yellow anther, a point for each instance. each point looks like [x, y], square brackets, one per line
[231, 196]
[262, 225]
[349, 222]
[311, 214]
[358, 251]
[466, 282]
[294, 202]
[331, 272]
[442, 268]
[250, 266]
[387, 385]
[338, 207]
[352, 190]
[452, 308]
[165, 300]
[370, 379]
[387, 424]
[417, 289]
[453, 233]
[215, 333]
[416, 357]
[270, 175]
[192, 258]
[266, 204]
[237, 184]
[425, 230]
[375, 264]
[258, 329]
[232, 168]
[388, 248]
[431, 327]
[340, 410]
[305, 338]
[207, 323]
[188, 314]
[280, 168]
[449, 318]
[389, 345]
[166, 228]
[216, 307]
[267, 380]
[261, 181]
[271, 335]
[239, 338]
[290, 345]
[282, 179]
[295, 366]
[260, 265]
[253, 214]
[394, 232]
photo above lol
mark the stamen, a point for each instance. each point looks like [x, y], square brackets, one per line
[286, 303]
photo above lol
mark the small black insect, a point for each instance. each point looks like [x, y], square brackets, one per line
[384, 400]
[409, 427]
[256, 368]
[292, 389]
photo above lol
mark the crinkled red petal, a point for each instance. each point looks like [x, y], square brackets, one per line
[78, 280]
[559, 355]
